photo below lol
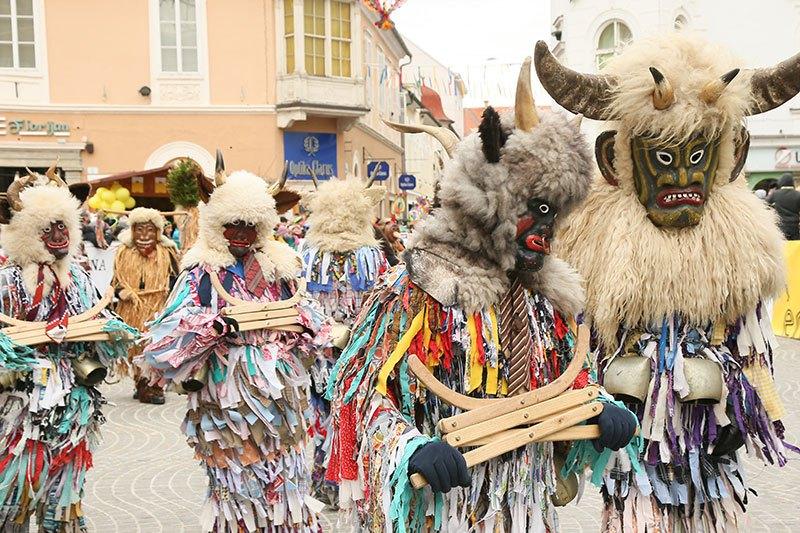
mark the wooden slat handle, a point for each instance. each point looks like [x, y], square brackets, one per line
[484, 412]
[527, 415]
[82, 317]
[521, 437]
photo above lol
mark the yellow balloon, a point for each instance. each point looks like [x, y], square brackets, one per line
[95, 202]
[116, 205]
[115, 186]
[130, 203]
[122, 194]
[105, 206]
[108, 196]
[100, 191]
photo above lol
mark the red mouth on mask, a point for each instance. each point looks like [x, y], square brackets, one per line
[537, 243]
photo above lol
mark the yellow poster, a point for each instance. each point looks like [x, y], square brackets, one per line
[786, 313]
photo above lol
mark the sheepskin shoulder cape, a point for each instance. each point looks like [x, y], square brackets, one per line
[467, 286]
[638, 274]
[277, 259]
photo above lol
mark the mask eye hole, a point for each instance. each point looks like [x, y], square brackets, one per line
[250, 225]
[48, 229]
[60, 225]
[544, 209]
[696, 156]
[665, 158]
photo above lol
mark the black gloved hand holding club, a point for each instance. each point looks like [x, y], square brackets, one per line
[441, 464]
[228, 326]
[617, 428]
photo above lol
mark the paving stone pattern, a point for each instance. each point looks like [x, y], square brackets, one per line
[145, 479]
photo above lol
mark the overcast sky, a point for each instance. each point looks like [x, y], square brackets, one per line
[483, 40]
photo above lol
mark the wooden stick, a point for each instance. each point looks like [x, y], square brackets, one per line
[86, 315]
[255, 306]
[268, 324]
[585, 432]
[527, 415]
[507, 405]
[249, 316]
[522, 437]
[86, 328]
[163, 213]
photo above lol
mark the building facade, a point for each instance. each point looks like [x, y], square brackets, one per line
[434, 96]
[763, 33]
[130, 85]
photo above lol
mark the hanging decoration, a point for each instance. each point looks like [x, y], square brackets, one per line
[384, 8]
[116, 199]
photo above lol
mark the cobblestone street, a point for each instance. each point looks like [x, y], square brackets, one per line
[145, 479]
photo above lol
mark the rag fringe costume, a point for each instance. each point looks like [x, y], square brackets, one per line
[49, 421]
[143, 281]
[342, 261]
[453, 305]
[679, 258]
[248, 424]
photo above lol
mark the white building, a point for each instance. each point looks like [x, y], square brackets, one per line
[434, 96]
[762, 33]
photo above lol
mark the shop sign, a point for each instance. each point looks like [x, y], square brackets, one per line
[378, 169]
[29, 128]
[787, 157]
[307, 151]
[407, 182]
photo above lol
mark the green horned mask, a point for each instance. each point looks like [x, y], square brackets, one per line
[672, 180]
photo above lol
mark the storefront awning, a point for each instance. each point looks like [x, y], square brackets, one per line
[151, 183]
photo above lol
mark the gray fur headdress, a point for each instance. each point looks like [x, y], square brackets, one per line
[462, 253]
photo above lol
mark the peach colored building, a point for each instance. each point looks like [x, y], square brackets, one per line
[129, 85]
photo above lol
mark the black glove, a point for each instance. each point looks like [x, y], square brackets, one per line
[617, 427]
[226, 326]
[442, 466]
[729, 439]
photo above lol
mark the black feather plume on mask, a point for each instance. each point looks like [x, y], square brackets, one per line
[493, 138]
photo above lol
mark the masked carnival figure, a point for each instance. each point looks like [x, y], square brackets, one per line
[239, 337]
[56, 343]
[679, 258]
[145, 266]
[480, 311]
[341, 263]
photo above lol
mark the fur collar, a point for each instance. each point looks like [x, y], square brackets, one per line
[637, 274]
[466, 285]
[278, 260]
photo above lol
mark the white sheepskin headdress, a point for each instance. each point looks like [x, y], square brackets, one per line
[42, 204]
[341, 214]
[246, 197]
[141, 215]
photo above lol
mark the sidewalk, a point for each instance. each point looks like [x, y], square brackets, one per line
[146, 481]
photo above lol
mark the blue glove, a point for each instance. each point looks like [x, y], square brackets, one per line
[442, 466]
[617, 428]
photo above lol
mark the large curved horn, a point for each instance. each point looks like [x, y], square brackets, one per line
[447, 138]
[219, 170]
[12, 193]
[53, 175]
[773, 87]
[313, 176]
[585, 94]
[713, 89]
[371, 178]
[284, 176]
[663, 93]
[525, 116]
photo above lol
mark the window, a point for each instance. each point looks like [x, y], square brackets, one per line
[371, 70]
[680, 22]
[288, 25]
[614, 37]
[17, 42]
[383, 74]
[314, 28]
[178, 30]
[340, 38]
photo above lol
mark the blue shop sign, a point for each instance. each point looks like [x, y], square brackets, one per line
[407, 182]
[307, 150]
[383, 170]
